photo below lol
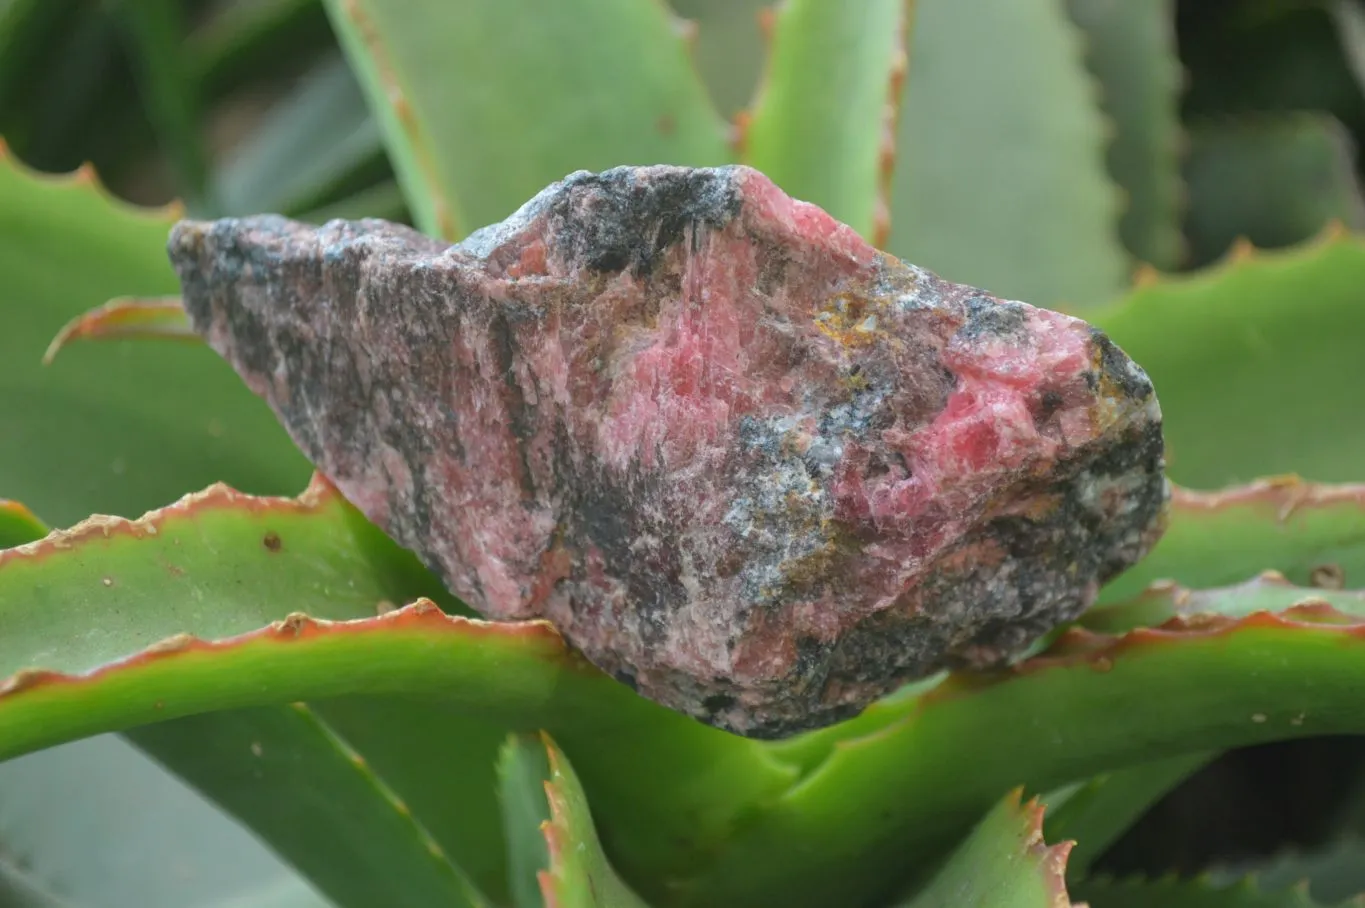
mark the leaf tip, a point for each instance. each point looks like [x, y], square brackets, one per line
[766, 17]
[687, 31]
[1242, 250]
[1145, 275]
[739, 133]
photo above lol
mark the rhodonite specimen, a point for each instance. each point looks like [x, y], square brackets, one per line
[742, 460]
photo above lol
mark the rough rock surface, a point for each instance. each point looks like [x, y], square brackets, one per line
[745, 462]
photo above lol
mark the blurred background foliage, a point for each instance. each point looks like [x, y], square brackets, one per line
[1253, 132]
[240, 106]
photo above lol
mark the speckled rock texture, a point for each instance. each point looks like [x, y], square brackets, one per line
[745, 462]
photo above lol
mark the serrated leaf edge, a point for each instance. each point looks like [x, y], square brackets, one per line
[85, 179]
[1051, 858]
[1240, 254]
[319, 495]
[1249, 883]
[422, 615]
[1176, 143]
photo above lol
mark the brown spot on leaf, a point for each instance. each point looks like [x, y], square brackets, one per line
[272, 541]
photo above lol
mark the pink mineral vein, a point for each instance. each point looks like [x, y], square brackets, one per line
[745, 462]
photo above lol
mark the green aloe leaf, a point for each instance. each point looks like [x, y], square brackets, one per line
[1334, 873]
[1167, 602]
[1304, 531]
[1000, 180]
[323, 555]
[100, 824]
[578, 875]
[242, 43]
[1130, 48]
[523, 770]
[27, 28]
[125, 318]
[313, 140]
[825, 114]
[153, 35]
[1091, 703]
[228, 569]
[1095, 813]
[18, 525]
[1349, 19]
[34, 36]
[587, 85]
[1175, 893]
[1004, 863]
[1249, 385]
[360, 845]
[288, 894]
[440, 763]
[111, 428]
[727, 38]
[1273, 180]
[20, 889]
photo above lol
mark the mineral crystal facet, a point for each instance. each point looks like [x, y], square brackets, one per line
[742, 460]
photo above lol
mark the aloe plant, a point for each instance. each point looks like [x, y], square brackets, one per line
[250, 696]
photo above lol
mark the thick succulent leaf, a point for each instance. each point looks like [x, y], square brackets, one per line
[1130, 48]
[1305, 531]
[245, 42]
[261, 558]
[1276, 56]
[288, 777]
[310, 141]
[587, 85]
[126, 318]
[153, 33]
[578, 875]
[220, 566]
[102, 825]
[19, 888]
[1092, 703]
[523, 770]
[1167, 601]
[1000, 179]
[25, 27]
[727, 39]
[1175, 893]
[320, 550]
[1257, 363]
[825, 116]
[111, 428]
[1095, 813]
[440, 763]
[18, 524]
[287, 894]
[34, 34]
[1334, 872]
[1274, 180]
[1349, 19]
[1004, 863]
